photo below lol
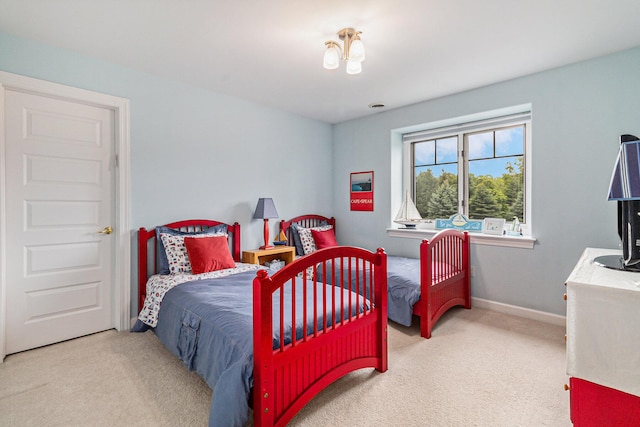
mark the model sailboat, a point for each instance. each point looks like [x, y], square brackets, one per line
[408, 214]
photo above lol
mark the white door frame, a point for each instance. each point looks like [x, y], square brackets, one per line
[121, 303]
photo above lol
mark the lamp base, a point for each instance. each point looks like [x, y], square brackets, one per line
[615, 262]
[266, 236]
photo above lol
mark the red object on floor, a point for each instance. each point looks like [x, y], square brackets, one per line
[594, 405]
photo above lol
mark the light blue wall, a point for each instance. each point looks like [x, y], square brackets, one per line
[195, 153]
[579, 111]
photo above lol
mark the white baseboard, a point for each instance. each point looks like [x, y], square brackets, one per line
[514, 310]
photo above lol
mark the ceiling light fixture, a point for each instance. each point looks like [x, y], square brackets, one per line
[352, 51]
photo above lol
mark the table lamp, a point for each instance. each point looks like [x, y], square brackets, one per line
[265, 210]
[625, 189]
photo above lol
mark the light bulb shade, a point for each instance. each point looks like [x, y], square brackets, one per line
[331, 57]
[354, 67]
[356, 51]
[625, 181]
[265, 209]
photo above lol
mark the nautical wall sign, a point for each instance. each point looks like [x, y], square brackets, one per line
[459, 222]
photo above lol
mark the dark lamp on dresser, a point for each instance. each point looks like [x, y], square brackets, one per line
[625, 189]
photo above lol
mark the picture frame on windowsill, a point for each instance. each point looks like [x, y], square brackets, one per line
[493, 226]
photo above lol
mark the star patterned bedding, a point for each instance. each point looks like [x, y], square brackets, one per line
[159, 284]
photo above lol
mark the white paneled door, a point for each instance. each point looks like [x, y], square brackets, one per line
[59, 200]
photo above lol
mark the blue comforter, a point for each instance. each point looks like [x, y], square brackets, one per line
[208, 325]
[403, 284]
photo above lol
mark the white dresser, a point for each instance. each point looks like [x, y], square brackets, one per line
[603, 342]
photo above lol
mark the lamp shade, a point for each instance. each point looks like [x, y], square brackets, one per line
[625, 181]
[331, 57]
[265, 209]
[356, 52]
[354, 67]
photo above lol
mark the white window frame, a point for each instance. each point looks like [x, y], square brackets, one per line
[520, 114]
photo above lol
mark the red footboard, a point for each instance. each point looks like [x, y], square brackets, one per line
[285, 379]
[444, 277]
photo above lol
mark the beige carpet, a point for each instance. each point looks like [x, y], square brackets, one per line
[480, 368]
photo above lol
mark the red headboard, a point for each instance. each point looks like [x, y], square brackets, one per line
[147, 256]
[306, 221]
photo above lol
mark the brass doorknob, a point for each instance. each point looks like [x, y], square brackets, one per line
[106, 230]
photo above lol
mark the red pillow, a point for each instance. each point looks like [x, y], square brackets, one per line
[324, 239]
[208, 253]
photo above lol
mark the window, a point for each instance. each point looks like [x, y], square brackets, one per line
[474, 167]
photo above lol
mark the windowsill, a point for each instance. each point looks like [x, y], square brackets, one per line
[523, 242]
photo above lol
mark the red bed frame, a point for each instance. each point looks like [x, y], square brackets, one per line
[444, 270]
[287, 378]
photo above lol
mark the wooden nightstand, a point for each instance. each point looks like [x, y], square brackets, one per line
[260, 256]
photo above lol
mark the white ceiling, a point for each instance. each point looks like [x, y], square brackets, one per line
[270, 51]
